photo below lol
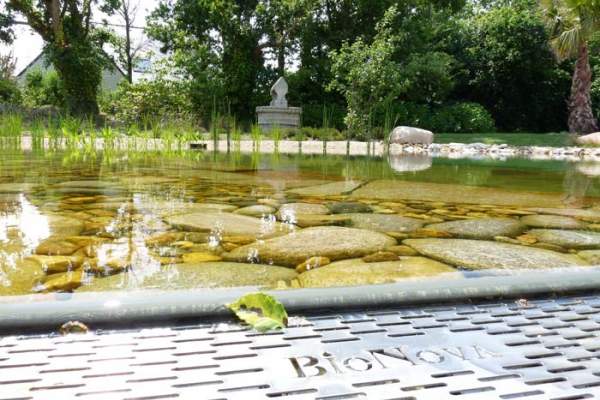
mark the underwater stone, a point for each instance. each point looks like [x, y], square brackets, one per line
[479, 254]
[335, 243]
[357, 272]
[481, 229]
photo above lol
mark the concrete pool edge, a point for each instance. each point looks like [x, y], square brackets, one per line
[109, 309]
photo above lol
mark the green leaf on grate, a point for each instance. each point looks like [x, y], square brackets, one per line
[260, 310]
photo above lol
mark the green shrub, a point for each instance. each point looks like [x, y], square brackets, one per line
[448, 117]
[149, 99]
[43, 88]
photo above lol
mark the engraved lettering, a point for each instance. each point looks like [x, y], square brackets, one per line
[357, 364]
[310, 363]
[329, 357]
[459, 352]
[430, 357]
[485, 353]
[397, 353]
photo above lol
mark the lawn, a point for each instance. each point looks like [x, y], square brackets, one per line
[512, 139]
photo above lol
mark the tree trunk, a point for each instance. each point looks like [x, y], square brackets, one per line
[581, 115]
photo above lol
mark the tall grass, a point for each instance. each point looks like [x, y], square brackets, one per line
[255, 133]
[38, 131]
[276, 133]
[11, 129]
[236, 134]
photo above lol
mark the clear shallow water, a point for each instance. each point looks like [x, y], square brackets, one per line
[76, 221]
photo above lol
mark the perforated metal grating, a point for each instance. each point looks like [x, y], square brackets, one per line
[546, 349]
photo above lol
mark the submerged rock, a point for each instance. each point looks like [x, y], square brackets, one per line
[385, 223]
[348, 208]
[328, 189]
[481, 229]
[289, 212]
[191, 276]
[478, 254]
[568, 239]
[257, 210]
[424, 191]
[553, 222]
[357, 272]
[335, 243]
[227, 224]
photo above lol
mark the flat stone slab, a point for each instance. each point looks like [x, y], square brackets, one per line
[570, 212]
[553, 222]
[165, 208]
[212, 275]
[481, 229]
[333, 242]
[401, 190]
[385, 222]
[328, 189]
[257, 210]
[478, 254]
[228, 224]
[568, 239]
[357, 272]
[288, 212]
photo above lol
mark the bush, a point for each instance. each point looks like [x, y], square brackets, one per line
[43, 89]
[447, 118]
[147, 99]
[9, 87]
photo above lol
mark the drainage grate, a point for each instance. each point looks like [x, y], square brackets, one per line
[546, 349]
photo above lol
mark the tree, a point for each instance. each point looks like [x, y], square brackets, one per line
[72, 45]
[126, 47]
[571, 23]
[367, 76]
[216, 43]
[508, 67]
[9, 89]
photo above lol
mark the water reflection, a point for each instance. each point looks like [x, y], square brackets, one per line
[410, 162]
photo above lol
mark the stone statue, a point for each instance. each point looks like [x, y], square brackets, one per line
[278, 114]
[278, 92]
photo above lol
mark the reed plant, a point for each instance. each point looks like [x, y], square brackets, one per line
[236, 134]
[38, 131]
[255, 133]
[109, 137]
[327, 116]
[11, 129]
[276, 133]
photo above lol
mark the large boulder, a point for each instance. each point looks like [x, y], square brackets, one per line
[407, 134]
[592, 138]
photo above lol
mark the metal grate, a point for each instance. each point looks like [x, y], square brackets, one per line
[546, 349]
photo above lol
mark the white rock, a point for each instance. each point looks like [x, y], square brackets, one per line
[407, 134]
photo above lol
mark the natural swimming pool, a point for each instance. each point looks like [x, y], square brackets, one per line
[76, 221]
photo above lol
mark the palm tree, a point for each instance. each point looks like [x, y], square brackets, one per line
[570, 24]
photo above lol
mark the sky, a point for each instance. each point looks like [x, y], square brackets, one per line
[28, 44]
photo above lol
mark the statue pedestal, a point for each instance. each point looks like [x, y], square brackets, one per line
[287, 118]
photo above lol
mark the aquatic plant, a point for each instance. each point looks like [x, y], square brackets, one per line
[276, 133]
[11, 126]
[38, 131]
[255, 133]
